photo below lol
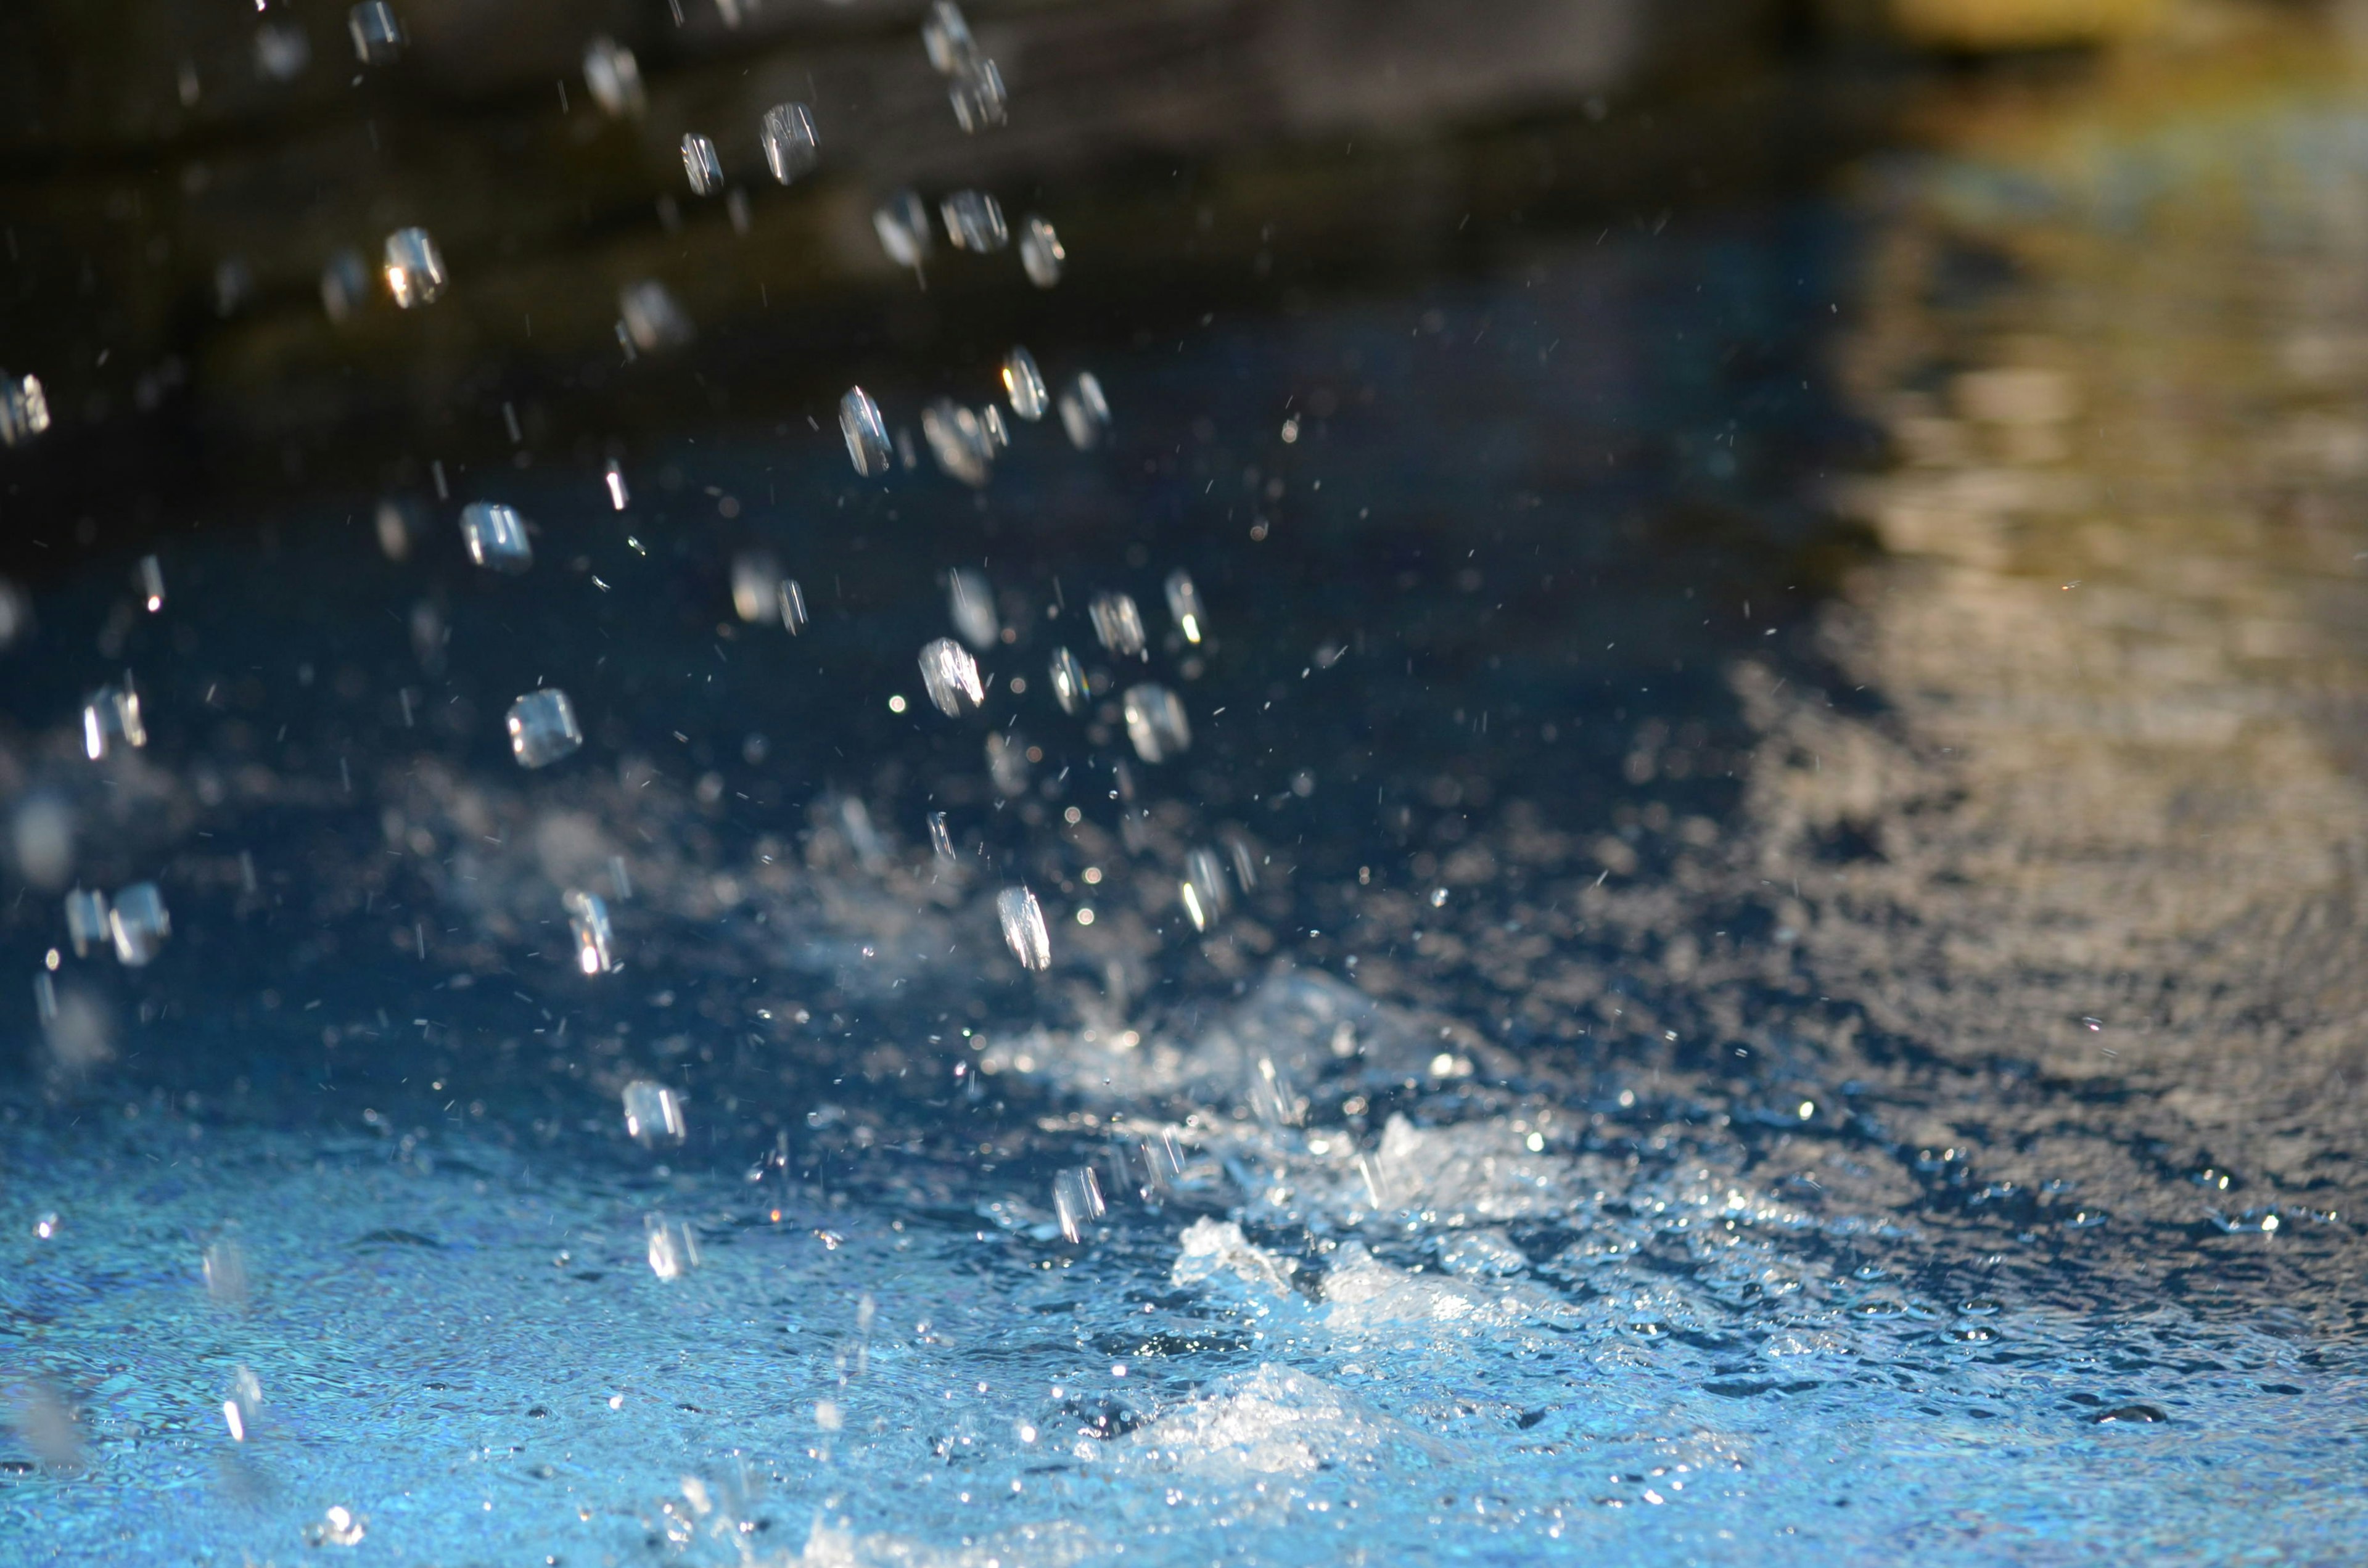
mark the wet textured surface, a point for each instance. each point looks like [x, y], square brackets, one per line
[1786, 814]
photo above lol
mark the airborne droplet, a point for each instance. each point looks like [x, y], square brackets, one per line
[1023, 928]
[866, 433]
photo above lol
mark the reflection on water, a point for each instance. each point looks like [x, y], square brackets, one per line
[1645, 1023]
[2108, 822]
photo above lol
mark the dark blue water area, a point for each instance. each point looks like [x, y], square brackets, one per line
[1531, 1197]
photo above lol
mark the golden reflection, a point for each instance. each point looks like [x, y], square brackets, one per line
[2105, 809]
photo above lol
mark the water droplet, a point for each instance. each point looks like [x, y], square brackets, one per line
[951, 677]
[673, 1248]
[654, 318]
[945, 34]
[653, 1113]
[970, 601]
[614, 77]
[24, 408]
[1077, 1203]
[755, 579]
[110, 714]
[976, 93]
[1040, 254]
[587, 921]
[959, 440]
[377, 35]
[1023, 928]
[866, 433]
[543, 728]
[1023, 383]
[792, 148]
[1070, 687]
[974, 222]
[1085, 413]
[495, 537]
[1155, 722]
[700, 165]
[902, 224]
[138, 924]
[1118, 623]
[1184, 604]
[414, 268]
[281, 53]
[1203, 889]
[345, 283]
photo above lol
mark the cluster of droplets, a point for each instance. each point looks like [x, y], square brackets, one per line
[963, 440]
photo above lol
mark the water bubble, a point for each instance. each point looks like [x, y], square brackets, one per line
[543, 728]
[1007, 763]
[1040, 254]
[344, 284]
[24, 408]
[281, 53]
[1184, 604]
[653, 317]
[1070, 687]
[110, 714]
[976, 94]
[414, 268]
[612, 477]
[1023, 383]
[1023, 928]
[969, 599]
[1077, 1201]
[377, 35]
[866, 433]
[46, 1226]
[1155, 722]
[397, 522]
[653, 1113]
[138, 924]
[87, 920]
[791, 147]
[704, 169]
[959, 440]
[41, 832]
[1085, 413]
[1237, 850]
[974, 222]
[1203, 889]
[755, 577]
[614, 77]
[951, 677]
[495, 537]
[941, 838]
[148, 577]
[791, 600]
[902, 224]
[587, 921]
[945, 34]
[673, 1251]
[1118, 623]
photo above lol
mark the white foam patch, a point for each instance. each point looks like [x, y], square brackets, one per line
[1028, 1546]
[1362, 1294]
[1274, 1421]
[1215, 1251]
[1307, 1026]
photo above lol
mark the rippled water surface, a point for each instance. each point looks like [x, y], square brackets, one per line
[1794, 997]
